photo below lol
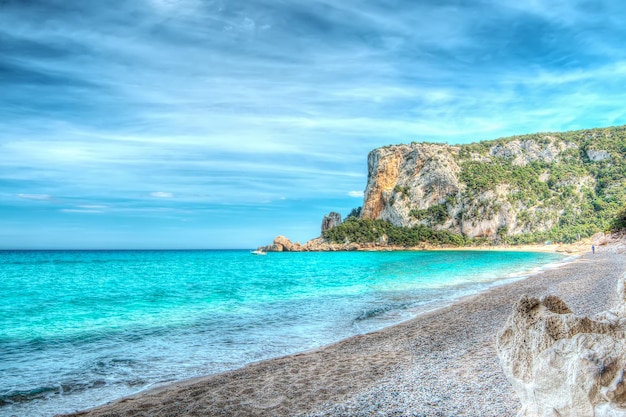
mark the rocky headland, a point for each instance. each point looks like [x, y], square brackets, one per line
[510, 186]
[561, 187]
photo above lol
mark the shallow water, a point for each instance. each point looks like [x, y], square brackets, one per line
[79, 328]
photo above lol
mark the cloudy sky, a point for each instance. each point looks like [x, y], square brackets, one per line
[220, 124]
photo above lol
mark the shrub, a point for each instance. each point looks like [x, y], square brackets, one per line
[619, 223]
[371, 231]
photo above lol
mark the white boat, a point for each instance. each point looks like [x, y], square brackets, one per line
[258, 252]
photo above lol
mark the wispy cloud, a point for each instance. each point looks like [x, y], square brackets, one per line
[161, 194]
[92, 206]
[40, 197]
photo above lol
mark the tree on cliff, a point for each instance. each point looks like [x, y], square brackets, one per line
[620, 220]
[355, 212]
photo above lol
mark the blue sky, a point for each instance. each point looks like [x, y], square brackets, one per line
[220, 124]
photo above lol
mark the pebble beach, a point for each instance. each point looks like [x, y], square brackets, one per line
[441, 363]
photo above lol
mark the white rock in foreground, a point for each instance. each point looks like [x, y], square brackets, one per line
[564, 365]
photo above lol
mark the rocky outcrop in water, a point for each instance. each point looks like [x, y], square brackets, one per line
[561, 364]
[282, 244]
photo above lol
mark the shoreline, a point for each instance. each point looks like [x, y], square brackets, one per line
[578, 248]
[442, 361]
[573, 249]
[319, 244]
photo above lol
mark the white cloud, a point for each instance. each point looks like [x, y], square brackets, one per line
[176, 7]
[161, 194]
[41, 197]
[86, 208]
[92, 206]
[355, 194]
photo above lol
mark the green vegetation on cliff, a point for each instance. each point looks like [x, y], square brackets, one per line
[619, 222]
[380, 231]
[582, 189]
[561, 186]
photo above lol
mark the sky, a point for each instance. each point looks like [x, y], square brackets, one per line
[192, 124]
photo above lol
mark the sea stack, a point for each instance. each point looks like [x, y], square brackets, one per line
[331, 220]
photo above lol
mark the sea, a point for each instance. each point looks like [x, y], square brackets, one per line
[82, 328]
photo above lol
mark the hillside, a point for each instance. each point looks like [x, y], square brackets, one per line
[522, 189]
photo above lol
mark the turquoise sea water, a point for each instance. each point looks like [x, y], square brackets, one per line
[80, 328]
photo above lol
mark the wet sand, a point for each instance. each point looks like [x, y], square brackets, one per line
[442, 363]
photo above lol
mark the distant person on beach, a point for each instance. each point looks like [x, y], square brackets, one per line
[593, 249]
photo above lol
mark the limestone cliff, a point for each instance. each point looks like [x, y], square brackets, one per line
[525, 189]
[331, 220]
[509, 186]
[405, 177]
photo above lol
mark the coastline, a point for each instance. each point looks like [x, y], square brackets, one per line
[319, 244]
[613, 241]
[573, 249]
[442, 362]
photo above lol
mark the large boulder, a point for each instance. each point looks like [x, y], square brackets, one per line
[284, 244]
[280, 244]
[561, 364]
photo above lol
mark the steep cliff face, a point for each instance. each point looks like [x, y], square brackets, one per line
[508, 186]
[404, 177]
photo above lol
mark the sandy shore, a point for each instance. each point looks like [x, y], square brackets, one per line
[442, 363]
[580, 247]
